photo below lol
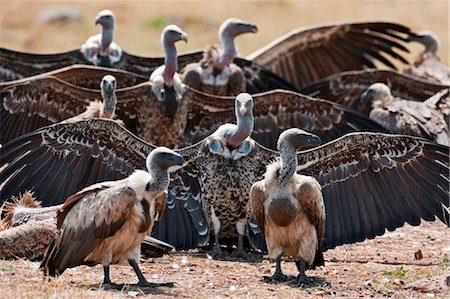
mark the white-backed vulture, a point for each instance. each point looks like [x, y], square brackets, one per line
[166, 82]
[39, 101]
[370, 181]
[422, 119]
[346, 88]
[289, 208]
[105, 223]
[307, 54]
[24, 108]
[428, 65]
[216, 73]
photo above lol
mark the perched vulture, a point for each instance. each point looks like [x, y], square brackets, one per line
[38, 101]
[105, 223]
[25, 108]
[166, 82]
[308, 54]
[216, 73]
[370, 181]
[428, 65]
[422, 119]
[289, 208]
[346, 88]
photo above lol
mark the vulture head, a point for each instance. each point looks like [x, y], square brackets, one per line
[162, 158]
[427, 38]
[244, 106]
[105, 18]
[172, 34]
[233, 27]
[108, 87]
[298, 139]
[376, 92]
[108, 84]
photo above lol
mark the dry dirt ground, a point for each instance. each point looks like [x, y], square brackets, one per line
[385, 266]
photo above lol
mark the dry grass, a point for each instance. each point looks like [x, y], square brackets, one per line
[140, 23]
[384, 266]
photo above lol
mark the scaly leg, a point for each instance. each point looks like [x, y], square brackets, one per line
[142, 281]
[278, 275]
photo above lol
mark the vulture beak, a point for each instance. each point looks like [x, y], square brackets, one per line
[365, 96]
[184, 37]
[242, 110]
[97, 20]
[314, 139]
[178, 162]
[253, 28]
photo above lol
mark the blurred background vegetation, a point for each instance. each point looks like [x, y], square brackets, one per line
[47, 27]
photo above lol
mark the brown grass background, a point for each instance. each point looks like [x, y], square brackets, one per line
[139, 23]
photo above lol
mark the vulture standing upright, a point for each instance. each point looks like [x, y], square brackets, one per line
[428, 65]
[307, 54]
[370, 181]
[105, 223]
[166, 82]
[216, 73]
[29, 105]
[422, 119]
[289, 207]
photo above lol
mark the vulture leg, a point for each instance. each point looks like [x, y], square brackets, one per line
[142, 281]
[107, 283]
[106, 278]
[216, 251]
[301, 279]
[240, 250]
[278, 275]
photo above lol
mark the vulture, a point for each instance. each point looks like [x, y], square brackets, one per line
[25, 108]
[289, 207]
[33, 103]
[370, 181]
[308, 54]
[105, 223]
[422, 119]
[216, 73]
[27, 230]
[166, 82]
[346, 88]
[428, 65]
[101, 49]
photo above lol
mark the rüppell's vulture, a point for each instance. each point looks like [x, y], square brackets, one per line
[105, 223]
[101, 49]
[428, 65]
[370, 181]
[27, 229]
[308, 54]
[98, 50]
[422, 119]
[289, 208]
[216, 73]
[25, 108]
[166, 82]
[35, 102]
[346, 88]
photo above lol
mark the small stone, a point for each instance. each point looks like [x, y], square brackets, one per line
[175, 266]
[232, 288]
[133, 293]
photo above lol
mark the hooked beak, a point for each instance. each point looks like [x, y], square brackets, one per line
[97, 20]
[314, 140]
[365, 96]
[242, 110]
[184, 37]
[179, 162]
[253, 28]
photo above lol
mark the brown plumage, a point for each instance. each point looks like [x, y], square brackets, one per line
[105, 223]
[289, 207]
[215, 73]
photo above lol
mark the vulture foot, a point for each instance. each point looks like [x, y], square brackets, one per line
[277, 277]
[240, 253]
[216, 252]
[112, 286]
[301, 281]
[154, 284]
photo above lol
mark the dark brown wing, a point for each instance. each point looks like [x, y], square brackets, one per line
[274, 112]
[308, 54]
[39, 101]
[257, 199]
[85, 220]
[372, 182]
[16, 65]
[346, 88]
[58, 160]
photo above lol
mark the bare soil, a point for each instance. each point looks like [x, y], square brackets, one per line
[385, 266]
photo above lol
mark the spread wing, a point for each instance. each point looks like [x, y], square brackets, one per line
[85, 220]
[58, 160]
[16, 65]
[372, 182]
[275, 111]
[346, 88]
[308, 54]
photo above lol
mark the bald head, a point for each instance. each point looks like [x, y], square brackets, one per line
[164, 158]
[427, 38]
[375, 92]
[172, 34]
[233, 27]
[108, 84]
[105, 18]
[298, 139]
[244, 105]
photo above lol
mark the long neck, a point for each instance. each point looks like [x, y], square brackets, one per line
[170, 62]
[244, 129]
[288, 163]
[109, 104]
[160, 180]
[229, 50]
[107, 36]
